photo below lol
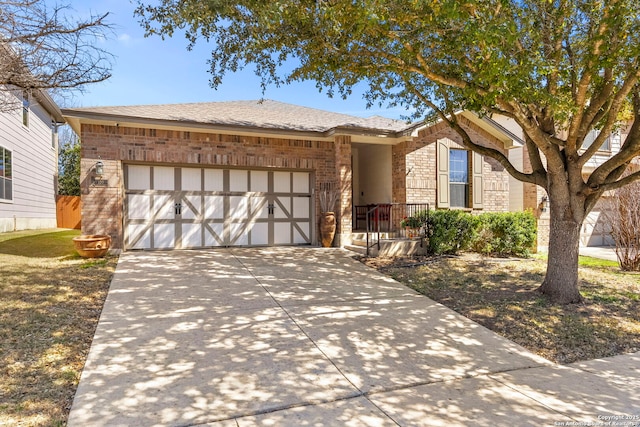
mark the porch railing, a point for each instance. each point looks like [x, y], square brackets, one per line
[385, 218]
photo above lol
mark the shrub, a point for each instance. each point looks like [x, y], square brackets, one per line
[450, 231]
[417, 220]
[506, 233]
[624, 217]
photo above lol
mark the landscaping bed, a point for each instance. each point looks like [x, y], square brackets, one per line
[500, 294]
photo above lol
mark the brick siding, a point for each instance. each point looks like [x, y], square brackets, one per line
[114, 145]
[414, 167]
[413, 162]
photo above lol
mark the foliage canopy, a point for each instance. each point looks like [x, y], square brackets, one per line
[559, 68]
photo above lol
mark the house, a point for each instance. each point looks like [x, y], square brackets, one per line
[29, 122]
[248, 173]
[596, 228]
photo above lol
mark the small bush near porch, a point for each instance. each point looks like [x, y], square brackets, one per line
[495, 233]
[505, 233]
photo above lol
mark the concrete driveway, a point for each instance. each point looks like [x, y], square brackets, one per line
[311, 337]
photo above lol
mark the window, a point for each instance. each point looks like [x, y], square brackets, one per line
[54, 134]
[25, 108]
[591, 136]
[458, 178]
[6, 181]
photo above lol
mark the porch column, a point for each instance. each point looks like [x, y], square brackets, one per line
[399, 172]
[344, 178]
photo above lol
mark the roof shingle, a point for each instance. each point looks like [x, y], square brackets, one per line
[265, 114]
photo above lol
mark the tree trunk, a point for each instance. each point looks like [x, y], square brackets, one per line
[561, 282]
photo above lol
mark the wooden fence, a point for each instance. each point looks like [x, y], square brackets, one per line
[68, 211]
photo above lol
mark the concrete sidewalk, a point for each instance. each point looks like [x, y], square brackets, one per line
[311, 337]
[602, 252]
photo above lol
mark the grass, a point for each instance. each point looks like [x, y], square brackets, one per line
[34, 244]
[501, 295]
[51, 301]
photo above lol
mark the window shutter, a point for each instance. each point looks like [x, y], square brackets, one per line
[477, 183]
[443, 173]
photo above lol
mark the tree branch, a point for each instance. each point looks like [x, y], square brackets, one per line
[607, 186]
[40, 48]
[451, 119]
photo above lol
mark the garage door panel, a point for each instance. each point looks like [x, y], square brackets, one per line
[301, 207]
[282, 182]
[238, 180]
[283, 208]
[191, 179]
[260, 234]
[192, 236]
[259, 208]
[193, 207]
[301, 233]
[164, 236]
[238, 207]
[139, 206]
[214, 234]
[213, 180]
[282, 233]
[139, 177]
[259, 181]
[164, 178]
[138, 236]
[164, 206]
[238, 234]
[214, 207]
[301, 182]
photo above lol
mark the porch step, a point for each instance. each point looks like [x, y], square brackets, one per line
[360, 250]
[356, 235]
[388, 248]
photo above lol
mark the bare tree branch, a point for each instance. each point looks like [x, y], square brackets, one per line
[42, 48]
[620, 182]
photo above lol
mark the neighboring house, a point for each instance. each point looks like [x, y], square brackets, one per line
[28, 159]
[248, 173]
[596, 230]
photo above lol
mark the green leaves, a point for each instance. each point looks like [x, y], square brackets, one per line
[526, 59]
[69, 168]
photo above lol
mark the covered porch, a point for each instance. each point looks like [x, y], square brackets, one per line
[380, 213]
[389, 229]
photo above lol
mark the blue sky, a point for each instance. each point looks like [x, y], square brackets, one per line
[153, 71]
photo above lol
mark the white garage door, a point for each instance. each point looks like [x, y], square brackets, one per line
[175, 207]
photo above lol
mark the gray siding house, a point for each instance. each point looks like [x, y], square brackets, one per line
[28, 159]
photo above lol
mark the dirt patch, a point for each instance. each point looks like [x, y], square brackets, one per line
[48, 314]
[500, 294]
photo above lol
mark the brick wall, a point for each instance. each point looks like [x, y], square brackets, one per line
[532, 200]
[103, 201]
[344, 175]
[415, 178]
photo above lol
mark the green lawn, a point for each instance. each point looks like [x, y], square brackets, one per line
[39, 243]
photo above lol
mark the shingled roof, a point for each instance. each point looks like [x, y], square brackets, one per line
[262, 114]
